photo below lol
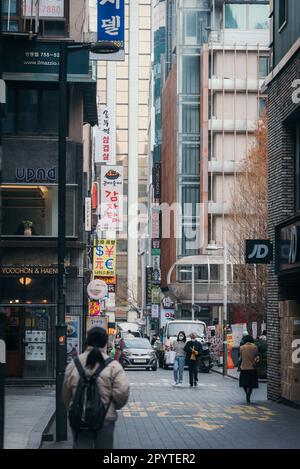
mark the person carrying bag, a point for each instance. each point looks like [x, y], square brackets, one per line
[94, 387]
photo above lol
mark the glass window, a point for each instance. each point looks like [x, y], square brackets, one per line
[38, 207]
[264, 66]
[258, 16]
[235, 16]
[10, 7]
[190, 159]
[31, 110]
[283, 5]
[262, 106]
[191, 74]
[190, 118]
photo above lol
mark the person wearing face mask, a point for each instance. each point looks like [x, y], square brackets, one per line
[193, 350]
[179, 358]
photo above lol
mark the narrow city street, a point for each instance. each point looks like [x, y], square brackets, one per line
[212, 416]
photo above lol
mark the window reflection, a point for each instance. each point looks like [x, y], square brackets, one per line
[245, 17]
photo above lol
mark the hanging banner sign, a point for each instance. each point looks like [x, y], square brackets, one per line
[104, 259]
[110, 302]
[155, 222]
[98, 321]
[149, 285]
[166, 315]
[94, 308]
[47, 8]
[156, 176]
[156, 294]
[104, 138]
[88, 214]
[155, 250]
[111, 22]
[155, 311]
[112, 198]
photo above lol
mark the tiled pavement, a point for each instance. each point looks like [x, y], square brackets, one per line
[214, 415]
[27, 414]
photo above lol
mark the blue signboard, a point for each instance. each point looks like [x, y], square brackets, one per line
[111, 21]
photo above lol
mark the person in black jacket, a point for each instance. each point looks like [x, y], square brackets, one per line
[193, 349]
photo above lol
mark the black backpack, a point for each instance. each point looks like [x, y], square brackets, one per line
[87, 411]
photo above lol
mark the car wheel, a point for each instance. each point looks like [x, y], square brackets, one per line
[154, 368]
[148, 369]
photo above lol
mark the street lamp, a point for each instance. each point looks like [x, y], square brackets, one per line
[103, 48]
[212, 247]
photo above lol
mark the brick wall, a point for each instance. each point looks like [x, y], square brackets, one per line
[281, 203]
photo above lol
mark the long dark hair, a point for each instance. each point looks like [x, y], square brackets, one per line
[248, 339]
[184, 336]
[96, 338]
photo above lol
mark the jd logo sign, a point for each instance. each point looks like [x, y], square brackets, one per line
[258, 251]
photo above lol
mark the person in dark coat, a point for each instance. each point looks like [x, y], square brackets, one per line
[192, 349]
[248, 359]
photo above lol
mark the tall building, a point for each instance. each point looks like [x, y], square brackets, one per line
[283, 88]
[29, 185]
[124, 87]
[216, 60]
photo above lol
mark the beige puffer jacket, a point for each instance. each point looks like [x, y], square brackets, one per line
[112, 383]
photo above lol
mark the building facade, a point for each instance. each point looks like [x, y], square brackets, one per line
[29, 184]
[284, 203]
[220, 53]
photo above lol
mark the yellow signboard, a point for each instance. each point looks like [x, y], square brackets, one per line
[230, 341]
[104, 259]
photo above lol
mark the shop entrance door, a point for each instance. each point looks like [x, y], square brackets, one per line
[14, 343]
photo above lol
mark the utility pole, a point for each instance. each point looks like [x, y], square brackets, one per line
[2, 317]
[61, 413]
[225, 302]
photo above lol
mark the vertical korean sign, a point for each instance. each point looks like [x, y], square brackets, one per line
[111, 21]
[112, 198]
[104, 136]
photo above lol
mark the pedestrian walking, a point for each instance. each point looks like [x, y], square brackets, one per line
[248, 360]
[193, 349]
[103, 384]
[179, 362]
[119, 346]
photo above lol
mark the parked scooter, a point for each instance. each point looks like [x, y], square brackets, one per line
[205, 360]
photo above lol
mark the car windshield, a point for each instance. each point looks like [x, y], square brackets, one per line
[188, 328]
[138, 343]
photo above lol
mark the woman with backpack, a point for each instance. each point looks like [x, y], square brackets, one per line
[95, 386]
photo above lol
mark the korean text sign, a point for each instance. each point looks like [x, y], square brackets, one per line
[104, 136]
[104, 261]
[112, 198]
[111, 21]
[47, 8]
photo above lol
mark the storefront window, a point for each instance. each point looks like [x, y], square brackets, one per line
[33, 211]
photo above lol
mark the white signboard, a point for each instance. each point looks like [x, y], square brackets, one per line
[97, 289]
[88, 214]
[35, 351]
[47, 8]
[155, 311]
[104, 136]
[35, 336]
[166, 315]
[110, 302]
[237, 333]
[2, 352]
[111, 198]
